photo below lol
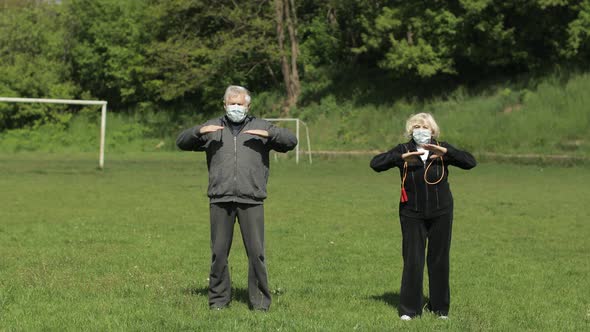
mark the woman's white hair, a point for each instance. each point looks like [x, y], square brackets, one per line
[236, 90]
[420, 119]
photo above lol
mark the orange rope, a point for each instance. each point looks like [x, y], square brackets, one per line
[430, 164]
[404, 197]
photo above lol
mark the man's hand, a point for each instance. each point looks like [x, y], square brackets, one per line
[257, 132]
[408, 155]
[209, 129]
[437, 150]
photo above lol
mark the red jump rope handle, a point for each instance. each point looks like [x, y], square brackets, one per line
[404, 196]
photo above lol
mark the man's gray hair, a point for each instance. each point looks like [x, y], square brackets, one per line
[236, 90]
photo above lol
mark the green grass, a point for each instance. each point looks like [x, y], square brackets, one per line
[127, 248]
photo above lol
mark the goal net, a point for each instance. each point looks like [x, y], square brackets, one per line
[298, 124]
[103, 117]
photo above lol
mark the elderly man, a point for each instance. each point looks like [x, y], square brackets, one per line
[237, 147]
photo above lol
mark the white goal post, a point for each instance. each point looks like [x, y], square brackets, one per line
[297, 124]
[103, 120]
[103, 116]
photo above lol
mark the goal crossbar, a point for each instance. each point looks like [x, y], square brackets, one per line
[103, 117]
[297, 122]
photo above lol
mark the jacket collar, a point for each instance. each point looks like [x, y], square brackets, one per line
[226, 122]
[235, 128]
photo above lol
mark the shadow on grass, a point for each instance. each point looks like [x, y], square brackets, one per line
[201, 291]
[390, 298]
[237, 294]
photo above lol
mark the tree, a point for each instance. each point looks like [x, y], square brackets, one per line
[32, 63]
[107, 40]
[424, 39]
[286, 16]
[578, 43]
[200, 47]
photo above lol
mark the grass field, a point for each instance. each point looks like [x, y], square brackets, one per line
[128, 248]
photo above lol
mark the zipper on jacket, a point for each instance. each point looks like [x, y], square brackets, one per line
[235, 165]
[415, 191]
[426, 207]
[436, 191]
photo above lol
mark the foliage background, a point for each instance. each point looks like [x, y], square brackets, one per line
[514, 73]
[86, 248]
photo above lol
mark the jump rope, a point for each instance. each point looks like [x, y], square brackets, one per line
[404, 196]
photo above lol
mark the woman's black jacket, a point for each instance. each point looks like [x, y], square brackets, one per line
[424, 200]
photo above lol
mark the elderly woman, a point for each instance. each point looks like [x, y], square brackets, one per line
[425, 212]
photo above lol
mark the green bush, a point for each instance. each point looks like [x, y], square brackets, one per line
[549, 118]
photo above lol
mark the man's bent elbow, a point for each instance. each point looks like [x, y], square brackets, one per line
[183, 144]
[286, 147]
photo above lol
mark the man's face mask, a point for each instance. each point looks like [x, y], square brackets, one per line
[236, 113]
[421, 136]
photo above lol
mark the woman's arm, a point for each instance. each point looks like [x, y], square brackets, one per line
[387, 160]
[459, 158]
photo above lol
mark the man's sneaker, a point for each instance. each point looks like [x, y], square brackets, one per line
[443, 317]
[405, 317]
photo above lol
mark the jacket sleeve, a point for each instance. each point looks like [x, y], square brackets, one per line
[191, 139]
[458, 158]
[280, 139]
[387, 160]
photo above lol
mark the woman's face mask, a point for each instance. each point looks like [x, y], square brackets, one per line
[421, 136]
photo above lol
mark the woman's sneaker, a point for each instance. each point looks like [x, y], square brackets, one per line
[405, 317]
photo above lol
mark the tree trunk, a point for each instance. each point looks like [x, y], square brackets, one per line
[410, 36]
[285, 15]
[292, 26]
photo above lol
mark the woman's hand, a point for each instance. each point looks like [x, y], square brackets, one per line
[408, 155]
[437, 150]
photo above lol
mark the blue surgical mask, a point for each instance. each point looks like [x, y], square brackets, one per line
[236, 113]
[421, 136]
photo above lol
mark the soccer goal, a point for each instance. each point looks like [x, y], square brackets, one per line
[297, 125]
[103, 117]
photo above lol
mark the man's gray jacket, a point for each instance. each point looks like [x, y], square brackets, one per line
[238, 163]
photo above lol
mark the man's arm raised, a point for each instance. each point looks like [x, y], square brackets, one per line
[195, 138]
